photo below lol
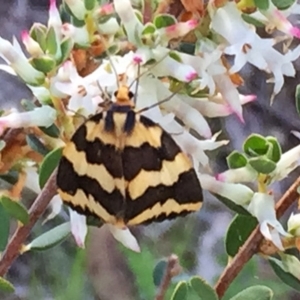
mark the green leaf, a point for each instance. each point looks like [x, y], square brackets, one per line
[43, 63]
[38, 32]
[262, 4]
[232, 205]
[255, 145]
[12, 176]
[238, 231]
[149, 28]
[262, 165]
[276, 149]
[236, 160]
[15, 209]
[181, 291]
[35, 144]
[164, 20]
[48, 165]
[252, 21]
[66, 47]
[297, 96]
[203, 289]
[76, 22]
[159, 272]
[50, 238]
[283, 4]
[51, 41]
[89, 4]
[286, 277]
[6, 286]
[4, 227]
[52, 131]
[257, 292]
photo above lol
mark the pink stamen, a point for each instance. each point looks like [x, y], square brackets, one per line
[191, 76]
[137, 59]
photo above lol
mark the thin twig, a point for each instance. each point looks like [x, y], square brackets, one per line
[172, 269]
[12, 250]
[251, 246]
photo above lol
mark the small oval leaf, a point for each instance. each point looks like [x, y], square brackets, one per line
[262, 165]
[262, 4]
[232, 206]
[276, 149]
[50, 238]
[164, 20]
[15, 209]
[255, 145]
[52, 131]
[35, 144]
[238, 231]
[6, 286]
[48, 165]
[159, 272]
[180, 292]
[283, 4]
[257, 292]
[44, 63]
[203, 289]
[4, 227]
[236, 160]
[286, 277]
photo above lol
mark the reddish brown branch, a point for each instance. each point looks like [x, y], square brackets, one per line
[173, 269]
[251, 246]
[12, 250]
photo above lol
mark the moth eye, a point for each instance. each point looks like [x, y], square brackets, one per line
[115, 93]
[130, 95]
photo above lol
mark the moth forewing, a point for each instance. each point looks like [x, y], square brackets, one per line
[126, 170]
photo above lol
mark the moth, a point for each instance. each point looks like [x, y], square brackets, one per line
[125, 169]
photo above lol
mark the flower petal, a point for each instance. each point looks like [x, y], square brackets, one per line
[125, 237]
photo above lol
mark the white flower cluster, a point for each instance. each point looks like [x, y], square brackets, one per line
[205, 71]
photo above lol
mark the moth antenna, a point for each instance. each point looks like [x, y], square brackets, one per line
[137, 84]
[110, 60]
[106, 96]
[161, 101]
[77, 114]
[146, 71]
[113, 68]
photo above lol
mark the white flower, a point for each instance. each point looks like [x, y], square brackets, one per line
[132, 24]
[243, 174]
[31, 45]
[54, 19]
[262, 207]
[78, 227]
[79, 35]
[238, 193]
[16, 59]
[40, 116]
[125, 237]
[289, 161]
[293, 224]
[215, 106]
[275, 18]
[247, 46]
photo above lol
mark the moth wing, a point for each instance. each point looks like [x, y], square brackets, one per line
[161, 181]
[90, 173]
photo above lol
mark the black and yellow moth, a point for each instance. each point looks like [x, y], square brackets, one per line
[123, 168]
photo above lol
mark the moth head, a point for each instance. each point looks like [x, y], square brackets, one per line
[124, 96]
